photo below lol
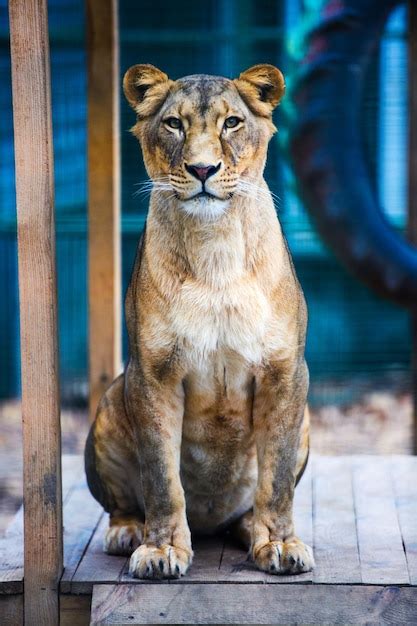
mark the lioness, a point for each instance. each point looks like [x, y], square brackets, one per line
[206, 428]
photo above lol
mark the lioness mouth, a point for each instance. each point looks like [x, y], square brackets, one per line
[204, 194]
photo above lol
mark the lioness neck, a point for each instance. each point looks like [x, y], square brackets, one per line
[217, 252]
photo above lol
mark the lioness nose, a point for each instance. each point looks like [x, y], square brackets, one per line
[202, 172]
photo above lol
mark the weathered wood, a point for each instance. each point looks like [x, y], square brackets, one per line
[335, 538]
[11, 564]
[11, 545]
[81, 515]
[38, 309]
[252, 604]
[404, 473]
[236, 567]
[75, 610]
[207, 558]
[412, 183]
[11, 610]
[72, 470]
[96, 565]
[220, 562]
[381, 552]
[103, 197]
[11, 556]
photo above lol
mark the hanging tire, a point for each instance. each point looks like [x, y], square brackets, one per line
[326, 149]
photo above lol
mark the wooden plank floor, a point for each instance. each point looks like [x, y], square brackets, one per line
[359, 513]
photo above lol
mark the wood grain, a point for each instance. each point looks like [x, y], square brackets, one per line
[335, 538]
[11, 610]
[385, 494]
[75, 610]
[38, 309]
[11, 545]
[404, 474]
[252, 604]
[381, 551]
[81, 515]
[11, 564]
[96, 565]
[207, 558]
[236, 567]
[72, 471]
[103, 197]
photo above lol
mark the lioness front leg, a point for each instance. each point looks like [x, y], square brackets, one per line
[278, 411]
[157, 410]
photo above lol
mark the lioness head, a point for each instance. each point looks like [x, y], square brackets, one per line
[204, 138]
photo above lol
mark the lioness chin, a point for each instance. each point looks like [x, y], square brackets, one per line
[207, 427]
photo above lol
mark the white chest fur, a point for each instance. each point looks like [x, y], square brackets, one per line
[222, 305]
[234, 317]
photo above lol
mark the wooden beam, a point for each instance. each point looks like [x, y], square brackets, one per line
[11, 610]
[252, 604]
[103, 197]
[75, 610]
[38, 310]
[412, 184]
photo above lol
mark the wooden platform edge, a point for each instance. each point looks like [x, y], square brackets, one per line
[75, 610]
[11, 609]
[76, 591]
[271, 604]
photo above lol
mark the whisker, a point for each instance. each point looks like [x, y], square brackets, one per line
[147, 186]
[249, 189]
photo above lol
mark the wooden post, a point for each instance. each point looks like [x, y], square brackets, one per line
[412, 184]
[38, 310]
[104, 197]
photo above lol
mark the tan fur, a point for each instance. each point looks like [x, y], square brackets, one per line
[208, 421]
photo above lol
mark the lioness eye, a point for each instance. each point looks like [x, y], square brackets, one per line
[173, 122]
[231, 122]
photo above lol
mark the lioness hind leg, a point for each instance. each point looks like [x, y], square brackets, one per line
[113, 474]
[124, 535]
[241, 529]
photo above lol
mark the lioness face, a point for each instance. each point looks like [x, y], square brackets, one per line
[204, 138]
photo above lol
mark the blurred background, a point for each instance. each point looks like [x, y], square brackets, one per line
[358, 347]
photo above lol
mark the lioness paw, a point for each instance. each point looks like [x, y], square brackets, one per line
[285, 557]
[163, 562]
[123, 539]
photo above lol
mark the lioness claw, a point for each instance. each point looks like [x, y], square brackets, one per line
[156, 563]
[285, 557]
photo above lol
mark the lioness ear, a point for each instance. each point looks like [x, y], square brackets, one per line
[145, 87]
[262, 87]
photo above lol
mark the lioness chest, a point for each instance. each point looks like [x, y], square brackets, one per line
[222, 337]
[222, 331]
[224, 334]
